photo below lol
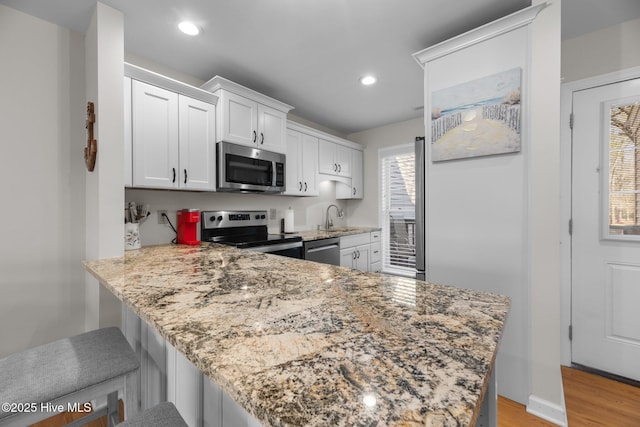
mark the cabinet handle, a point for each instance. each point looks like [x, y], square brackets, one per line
[174, 175]
[339, 168]
[300, 189]
[305, 187]
[185, 176]
[354, 191]
[335, 167]
[255, 136]
[261, 138]
[354, 254]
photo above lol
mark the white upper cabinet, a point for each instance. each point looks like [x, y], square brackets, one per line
[355, 190]
[155, 136]
[197, 144]
[128, 143]
[172, 135]
[334, 159]
[249, 118]
[237, 119]
[302, 164]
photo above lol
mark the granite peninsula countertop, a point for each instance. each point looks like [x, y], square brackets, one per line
[308, 235]
[298, 343]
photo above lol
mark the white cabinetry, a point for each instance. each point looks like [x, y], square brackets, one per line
[128, 143]
[354, 251]
[361, 252]
[172, 132]
[166, 375]
[355, 190]
[247, 117]
[302, 164]
[376, 253]
[334, 159]
[173, 140]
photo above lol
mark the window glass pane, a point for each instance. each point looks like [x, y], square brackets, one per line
[398, 210]
[624, 170]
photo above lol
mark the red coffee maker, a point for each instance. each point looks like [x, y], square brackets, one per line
[188, 220]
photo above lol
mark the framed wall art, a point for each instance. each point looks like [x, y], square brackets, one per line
[477, 118]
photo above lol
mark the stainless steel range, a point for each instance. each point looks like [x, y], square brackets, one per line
[247, 230]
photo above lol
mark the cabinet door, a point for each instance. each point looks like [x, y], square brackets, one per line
[155, 136]
[294, 157]
[238, 119]
[197, 144]
[347, 257]
[343, 159]
[128, 143]
[355, 189]
[272, 129]
[326, 157]
[153, 367]
[309, 168]
[357, 178]
[184, 386]
[362, 258]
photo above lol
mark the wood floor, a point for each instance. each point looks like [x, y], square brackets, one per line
[590, 399]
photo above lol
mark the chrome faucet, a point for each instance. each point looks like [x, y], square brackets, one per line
[328, 222]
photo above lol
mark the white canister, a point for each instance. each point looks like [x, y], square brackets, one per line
[131, 236]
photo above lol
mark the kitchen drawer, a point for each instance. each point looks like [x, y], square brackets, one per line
[375, 236]
[354, 240]
[376, 252]
[376, 267]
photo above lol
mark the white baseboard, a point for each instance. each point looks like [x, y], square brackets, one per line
[548, 411]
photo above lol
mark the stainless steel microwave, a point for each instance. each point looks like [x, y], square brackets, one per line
[247, 169]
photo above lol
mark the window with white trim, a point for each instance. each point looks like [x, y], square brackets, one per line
[398, 209]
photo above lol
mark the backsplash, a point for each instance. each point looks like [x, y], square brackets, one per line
[309, 212]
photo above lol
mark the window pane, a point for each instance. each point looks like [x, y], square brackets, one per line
[624, 170]
[397, 170]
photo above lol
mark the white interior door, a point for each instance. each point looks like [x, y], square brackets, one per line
[606, 228]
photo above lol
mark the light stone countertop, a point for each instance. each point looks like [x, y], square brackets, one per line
[308, 235]
[298, 343]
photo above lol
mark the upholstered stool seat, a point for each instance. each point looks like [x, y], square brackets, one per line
[162, 415]
[70, 371]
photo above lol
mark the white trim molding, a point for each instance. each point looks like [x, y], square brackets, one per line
[548, 411]
[500, 26]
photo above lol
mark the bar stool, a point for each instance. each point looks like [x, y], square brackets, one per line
[39, 382]
[161, 415]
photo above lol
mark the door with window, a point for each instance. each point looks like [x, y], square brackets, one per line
[398, 209]
[606, 228]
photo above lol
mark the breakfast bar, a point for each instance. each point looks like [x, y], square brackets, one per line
[299, 343]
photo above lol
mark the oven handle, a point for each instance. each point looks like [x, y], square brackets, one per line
[277, 247]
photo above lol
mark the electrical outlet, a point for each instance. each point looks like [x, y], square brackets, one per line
[272, 213]
[161, 218]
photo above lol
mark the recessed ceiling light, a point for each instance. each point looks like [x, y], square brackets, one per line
[189, 28]
[367, 80]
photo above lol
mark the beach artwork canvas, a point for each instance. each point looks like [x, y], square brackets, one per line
[477, 118]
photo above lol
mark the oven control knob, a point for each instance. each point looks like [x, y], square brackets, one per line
[257, 216]
[262, 216]
[220, 218]
[213, 218]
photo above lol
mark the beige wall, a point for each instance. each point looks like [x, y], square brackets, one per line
[611, 49]
[365, 212]
[41, 140]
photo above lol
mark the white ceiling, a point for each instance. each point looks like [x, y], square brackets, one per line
[310, 54]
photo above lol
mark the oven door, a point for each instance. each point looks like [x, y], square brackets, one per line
[247, 169]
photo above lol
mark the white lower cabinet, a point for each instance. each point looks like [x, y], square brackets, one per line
[361, 252]
[166, 375]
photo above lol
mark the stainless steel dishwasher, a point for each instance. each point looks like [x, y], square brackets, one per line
[326, 251]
